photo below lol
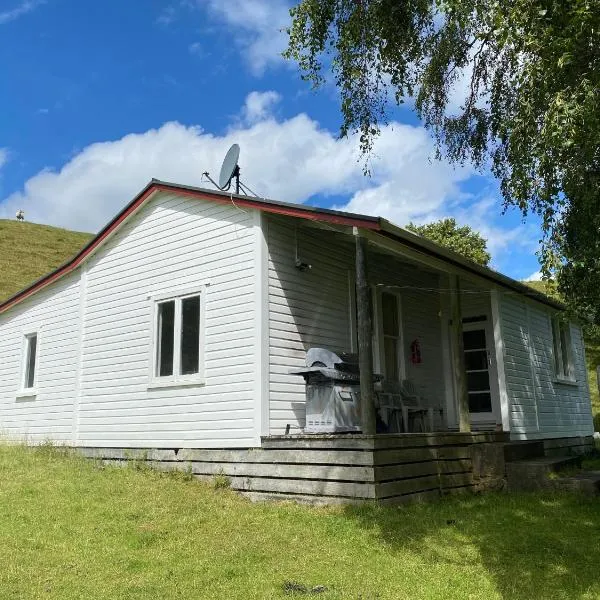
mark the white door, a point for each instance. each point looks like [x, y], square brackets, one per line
[481, 371]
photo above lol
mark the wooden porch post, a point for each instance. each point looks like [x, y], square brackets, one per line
[365, 338]
[458, 356]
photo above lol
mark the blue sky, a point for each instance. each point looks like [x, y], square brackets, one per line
[97, 98]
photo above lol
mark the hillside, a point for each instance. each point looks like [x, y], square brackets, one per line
[29, 250]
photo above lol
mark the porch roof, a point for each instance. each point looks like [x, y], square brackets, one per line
[377, 225]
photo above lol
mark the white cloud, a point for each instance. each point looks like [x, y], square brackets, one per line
[12, 14]
[196, 49]
[3, 156]
[167, 15]
[258, 106]
[257, 26]
[536, 276]
[293, 160]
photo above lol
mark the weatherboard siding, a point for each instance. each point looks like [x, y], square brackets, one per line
[420, 303]
[306, 308]
[174, 243]
[541, 407]
[54, 314]
[95, 335]
[312, 308]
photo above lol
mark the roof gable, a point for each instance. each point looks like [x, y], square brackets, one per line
[375, 224]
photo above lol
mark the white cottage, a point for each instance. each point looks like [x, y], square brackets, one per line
[178, 326]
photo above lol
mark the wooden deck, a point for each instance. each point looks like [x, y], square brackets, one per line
[389, 468]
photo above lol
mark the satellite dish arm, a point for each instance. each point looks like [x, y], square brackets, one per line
[205, 174]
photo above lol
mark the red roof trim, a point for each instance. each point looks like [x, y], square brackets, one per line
[301, 212]
[287, 210]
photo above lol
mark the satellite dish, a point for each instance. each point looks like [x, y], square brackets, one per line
[230, 168]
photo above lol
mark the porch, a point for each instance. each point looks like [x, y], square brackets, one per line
[428, 328]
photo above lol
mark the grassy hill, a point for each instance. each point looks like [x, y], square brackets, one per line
[28, 251]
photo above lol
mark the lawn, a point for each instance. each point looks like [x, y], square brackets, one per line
[70, 528]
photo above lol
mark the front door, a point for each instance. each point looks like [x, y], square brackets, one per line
[480, 371]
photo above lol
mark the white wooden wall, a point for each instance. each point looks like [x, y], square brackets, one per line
[171, 244]
[95, 331]
[54, 314]
[540, 407]
[306, 308]
[312, 308]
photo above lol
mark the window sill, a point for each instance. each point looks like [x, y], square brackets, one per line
[563, 381]
[157, 384]
[28, 394]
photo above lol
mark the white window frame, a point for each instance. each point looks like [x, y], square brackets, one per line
[24, 391]
[562, 373]
[177, 379]
[379, 336]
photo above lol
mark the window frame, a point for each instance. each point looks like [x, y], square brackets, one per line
[380, 337]
[176, 379]
[561, 335]
[25, 391]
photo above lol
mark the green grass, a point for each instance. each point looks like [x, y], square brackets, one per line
[592, 358]
[72, 529]
[28, 251]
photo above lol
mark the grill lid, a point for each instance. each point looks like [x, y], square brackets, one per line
[325, 364]
[321, 357]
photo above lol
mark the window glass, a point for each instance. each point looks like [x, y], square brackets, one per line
[565, 343]
[563, 350]
[478, 381]
[474, 340]
[476, 360]
[390, 321]
[30, 361]
[389, 308]
[190, 335]
[556, 347]
[166, 331]
[477, 369]
[390, 345]
[480, 402]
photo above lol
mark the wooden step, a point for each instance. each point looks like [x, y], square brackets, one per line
[535, 473]
[586, 482]
[521, 450]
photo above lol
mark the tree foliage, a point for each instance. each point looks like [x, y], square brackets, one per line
[531, 112]
[463, 240]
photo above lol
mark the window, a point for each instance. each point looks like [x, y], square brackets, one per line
[392, 336]
[563, 350]
[31, 344]
[178, 339]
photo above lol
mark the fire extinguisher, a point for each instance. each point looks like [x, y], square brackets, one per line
[415, 352]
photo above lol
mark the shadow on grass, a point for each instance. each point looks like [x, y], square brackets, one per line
[533, 546]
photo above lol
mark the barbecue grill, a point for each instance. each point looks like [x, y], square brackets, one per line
[332, 391]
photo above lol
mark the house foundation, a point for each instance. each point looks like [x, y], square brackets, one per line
[352, 468]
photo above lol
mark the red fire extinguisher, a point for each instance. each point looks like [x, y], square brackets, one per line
[415, 352]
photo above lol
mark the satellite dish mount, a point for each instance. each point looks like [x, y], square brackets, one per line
[236, 176]
[230, 170]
